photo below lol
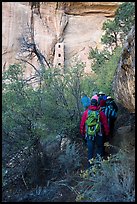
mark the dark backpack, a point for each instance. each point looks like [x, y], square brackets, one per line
[93, 122]
[110, 111]
[103, 108]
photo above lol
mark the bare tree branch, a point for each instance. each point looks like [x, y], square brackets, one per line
[31, 65]
[29, 46]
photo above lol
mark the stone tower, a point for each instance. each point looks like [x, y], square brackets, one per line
[59, 55]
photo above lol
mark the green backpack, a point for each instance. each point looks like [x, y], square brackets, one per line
[93, 123]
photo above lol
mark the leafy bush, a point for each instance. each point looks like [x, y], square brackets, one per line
[30, 114]
[52, 108]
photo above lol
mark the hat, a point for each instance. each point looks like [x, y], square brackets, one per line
[109, 97]
[94, 102]
[95, 97]
[102, 103]
[101, 93]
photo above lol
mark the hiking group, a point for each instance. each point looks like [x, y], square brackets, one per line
[97, 122]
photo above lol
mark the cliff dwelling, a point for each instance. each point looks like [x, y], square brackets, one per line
[59, 55]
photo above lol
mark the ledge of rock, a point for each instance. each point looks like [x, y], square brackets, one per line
[82, 8]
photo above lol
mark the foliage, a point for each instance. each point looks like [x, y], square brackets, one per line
[59, 93]
[31, 113]
[117, 29]
[88, 85]
[125, 17]
[111, 32]
[109, 180]
[104, 67]
[99, 58]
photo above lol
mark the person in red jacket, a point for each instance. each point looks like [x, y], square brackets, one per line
[98, 138]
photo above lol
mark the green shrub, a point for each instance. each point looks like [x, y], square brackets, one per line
[29, 113]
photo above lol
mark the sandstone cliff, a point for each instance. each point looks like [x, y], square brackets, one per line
[124, 82]
[76, 24]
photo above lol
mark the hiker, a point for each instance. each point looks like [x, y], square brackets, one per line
[95, 95]
[111, 113]
[102, 105]
[85, 100]
[101, 95]
[93, 135]
[105, 138]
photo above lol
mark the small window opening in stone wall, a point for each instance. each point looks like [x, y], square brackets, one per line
[59, 55]
[59, 64]
[59, 46]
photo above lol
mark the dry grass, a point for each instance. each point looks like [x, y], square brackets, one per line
[110, 180]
